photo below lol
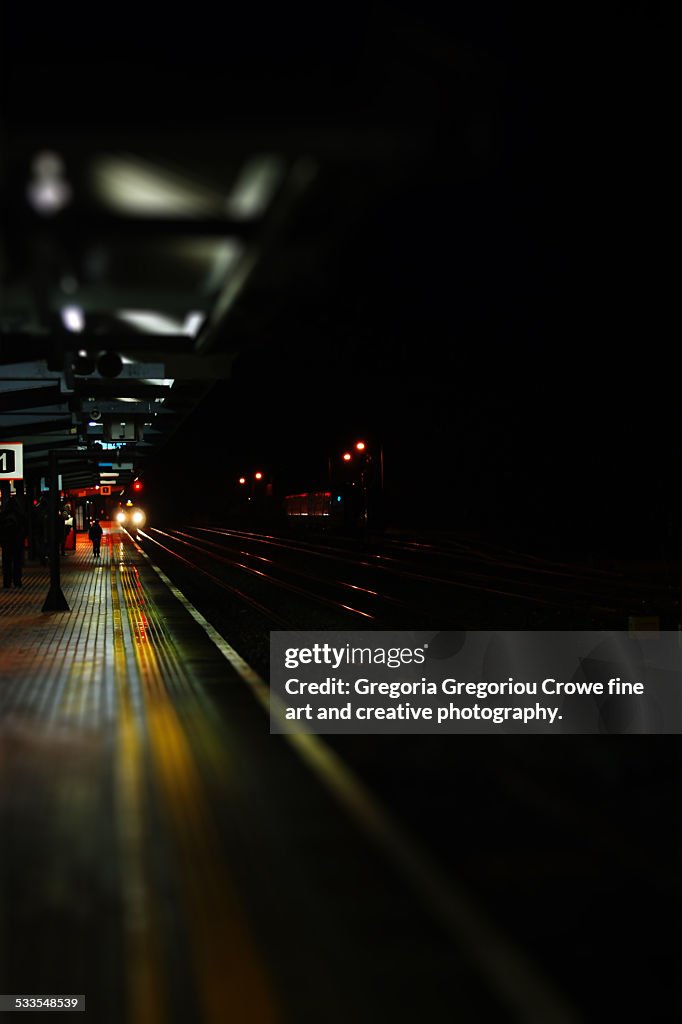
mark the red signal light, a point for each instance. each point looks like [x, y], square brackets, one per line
[137, 486]
[259, 476]
[347, 457]
[361, 446]
[242, 479]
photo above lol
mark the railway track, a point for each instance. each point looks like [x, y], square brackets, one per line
[534, 829]
[404, 584]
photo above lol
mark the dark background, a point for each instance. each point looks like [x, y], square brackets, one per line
[499, 322]
[497, 316]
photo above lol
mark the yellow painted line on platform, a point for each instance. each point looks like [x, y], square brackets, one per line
[146, 991]
[514, 979]
[231, 979]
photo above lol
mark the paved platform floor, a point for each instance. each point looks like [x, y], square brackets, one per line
[162, 854]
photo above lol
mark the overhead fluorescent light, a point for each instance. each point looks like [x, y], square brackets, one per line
[151, 322]
[255, 186]
[192, 324]
[225, 260]
[133, 186]
[48, 191]
[73, 318]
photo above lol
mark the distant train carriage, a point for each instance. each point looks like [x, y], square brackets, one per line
[343, 510]
[313, 503]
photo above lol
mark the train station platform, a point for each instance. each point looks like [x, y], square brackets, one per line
[165, 856]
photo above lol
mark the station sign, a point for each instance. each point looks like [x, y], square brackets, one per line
[12, 461]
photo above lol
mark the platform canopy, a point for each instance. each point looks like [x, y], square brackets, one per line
[168, 189]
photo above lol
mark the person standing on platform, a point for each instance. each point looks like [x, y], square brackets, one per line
[65, 525]
[12, 534]
[95, 535]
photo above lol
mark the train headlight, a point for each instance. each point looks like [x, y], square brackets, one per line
[121, 517]
[138, 517]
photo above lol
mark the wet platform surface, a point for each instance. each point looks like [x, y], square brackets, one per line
[164, 855]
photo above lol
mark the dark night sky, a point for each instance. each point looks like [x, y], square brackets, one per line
[498, 322]
[502, 330]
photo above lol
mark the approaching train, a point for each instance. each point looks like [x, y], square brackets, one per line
[130, 517]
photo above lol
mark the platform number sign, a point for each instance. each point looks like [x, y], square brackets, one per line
[12, 462]
[105, 489]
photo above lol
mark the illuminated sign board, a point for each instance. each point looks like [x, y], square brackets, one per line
[12, 462]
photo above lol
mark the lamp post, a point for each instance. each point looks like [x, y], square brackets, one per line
[362, 479]
[365, 459]
[251, 485]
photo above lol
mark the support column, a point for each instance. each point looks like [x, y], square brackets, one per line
[55, 600]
